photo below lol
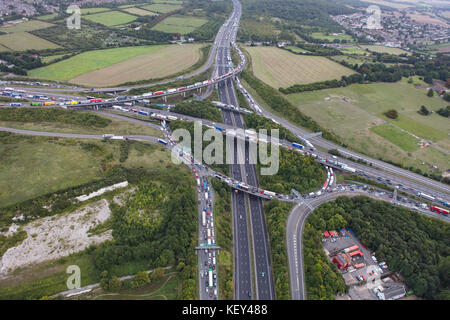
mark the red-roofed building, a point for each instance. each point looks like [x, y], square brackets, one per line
[326, 234]
[333, 233]
[354, 253]
[352, 248]
[342, 261]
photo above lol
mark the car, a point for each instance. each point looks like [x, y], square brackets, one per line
[210, 294]
[249, 293]
[262, 274]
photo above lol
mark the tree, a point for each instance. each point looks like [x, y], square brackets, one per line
[393, 114]
[430, 93]
[428, 79]
[447, 96]
[157, 274]
[114, 284]
[424, 111]
[104, 280]
[140, 279]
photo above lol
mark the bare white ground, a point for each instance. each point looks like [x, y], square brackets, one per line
[50, 238]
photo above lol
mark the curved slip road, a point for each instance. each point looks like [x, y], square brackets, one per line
[294, 233]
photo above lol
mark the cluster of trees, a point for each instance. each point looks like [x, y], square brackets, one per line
[215, 11]
[154, 228]
[21, 61]
[445, 112]
[276, 213]
[322, 279]
[307, 12]
[424, 111]
[295, 171]
[283, 106]
[411, 243]
[207, 31]
[327, 84]
[257, 122]
[84, 119]
[316, 50]
[199, 109]
[379, 72]
[224, 237]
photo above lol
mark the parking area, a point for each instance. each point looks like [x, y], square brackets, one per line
[366, 276]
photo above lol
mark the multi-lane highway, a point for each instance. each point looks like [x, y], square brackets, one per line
[247, 270]
[252, 260]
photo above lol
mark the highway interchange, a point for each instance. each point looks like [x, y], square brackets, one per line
[251, 246]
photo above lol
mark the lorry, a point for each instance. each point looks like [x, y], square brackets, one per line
[117, 138]
[107, 135]
[210, 278]
[203, 218]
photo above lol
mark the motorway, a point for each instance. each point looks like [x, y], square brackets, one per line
[244, 277]
[249, 219]
[378, 168]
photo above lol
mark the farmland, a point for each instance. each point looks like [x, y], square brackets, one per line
[280, 68]
[162, 8]
[140, 12]
[111, 66]
[179, 24]
[355, 114]
[384, 49]
[254, 29]
[26, 26]
[158, 63]
[110, 18]
[93, 10]
[331, 37]
[21, 41]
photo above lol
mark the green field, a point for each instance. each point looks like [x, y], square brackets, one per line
[140, 12]
[3, 48]
[297, 49]
[48, 59]
[179, 24]
[163, 289]
[261, 29]
[93, 10]
[398, 137]
[46, 278]
[89, 61]
[384, 49]
[354, 50]
[355, 114]
[26, 26]
[21, 41]
[281, 68]
[162, 8]
[48, 16]
[30, 169]
[117, 127]
[331, 37]
[110, 18]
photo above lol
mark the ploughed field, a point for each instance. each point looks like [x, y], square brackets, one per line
[281, 68]
[115, 66]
